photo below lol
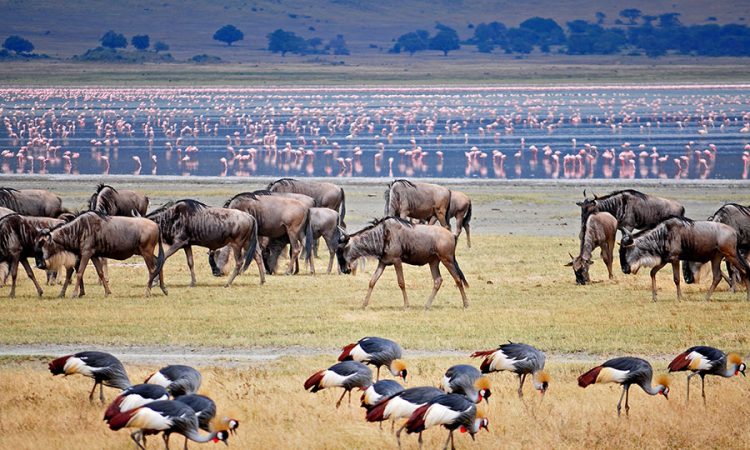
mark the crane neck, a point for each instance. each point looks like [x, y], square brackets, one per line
[652, 390]
[195, 436]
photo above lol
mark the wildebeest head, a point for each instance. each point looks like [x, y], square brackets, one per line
[580, 269]
[45, 248]
[219, 261]
[342, 252]
[633, 256]
[691, 271]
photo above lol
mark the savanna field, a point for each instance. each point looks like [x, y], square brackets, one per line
[256, 345]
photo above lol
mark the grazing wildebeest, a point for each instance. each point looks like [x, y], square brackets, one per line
[460, 209]
[601, 229]
[737, 217]
[276, 216]
[420, 201]
[93, 235]
[17, 238]
[631, 208]
[324, 222]
[679, 238]
[395, 241]
[326, 195]
[113, 202]
[189, 222]
[31, 202]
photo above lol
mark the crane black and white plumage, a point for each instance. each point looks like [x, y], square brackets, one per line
[346, 374]
[703, 360]
[205, 410]
[177, 379]
[135, 396]
[468, 381]
[521, 359]
[378, 352]
[452, 411]
[379, 392]
[402, 405]
[166, 416]
[626, 371]
[104, 368]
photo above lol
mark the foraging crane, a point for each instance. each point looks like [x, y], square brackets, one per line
[379, 392]
[167, 416]
[702, 360]
[347, 374]
[135, 396]
[627, 371]
[468, 381]
[377, 352]
[105, 369]
[521, 359]
[452, 411]
[177, 379]
[402, 405]
[205, 410]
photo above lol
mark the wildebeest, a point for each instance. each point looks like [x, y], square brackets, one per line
[737, 217]
[460, 209]
[324, 223]
[31, 202]
[601, 229]
[276, 216]
[114, 202]
[189, 222]
[395, 241]
[93, 235]
[420, 201]
[326, 195]
[631, 208]
[679, 238]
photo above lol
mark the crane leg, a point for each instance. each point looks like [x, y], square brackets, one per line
[420, 440]
[703, 389]
[627, 397]
[91, 394]
[136, 437]
[620, 402]
[338, 403]
[398, 434]
[521, 378]
[688, 385]
[101, 392]
[377, 377]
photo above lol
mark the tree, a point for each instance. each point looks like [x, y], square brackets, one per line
[113, 40]
[546, 31]
[632, 14]
[160, 46]
[229, 34]
[445, 40]
[413, 42]
[284, 42]
[338, 45]
[600, 16]
[18, 44]
[669, 20]
[141, 41]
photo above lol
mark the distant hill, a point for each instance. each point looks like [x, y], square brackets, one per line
[64, 29]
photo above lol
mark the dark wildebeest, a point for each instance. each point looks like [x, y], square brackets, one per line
[324, 222]
[17, 238]
[601, 229]
[189, 222]
[276, 216]
[679, 238]
[737, 217]
[113, 202]
[632, 209]
[326, 195]
[93, 235]
[460, 209]
[420, 201]
[31, 202]
[395, 241]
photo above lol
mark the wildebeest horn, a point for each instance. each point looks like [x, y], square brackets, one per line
[584, 193]
[343, 236]
[571, 256]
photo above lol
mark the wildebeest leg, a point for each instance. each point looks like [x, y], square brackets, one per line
[607, 257]
[79, 277]
[190, 263]
[259, 263]
[237, 250]
[441, 218]
[437, 281]
[150, 260]
[378, 272]
[30, 273]
[13, 275]
[716, 272]
[296, 249]
[737, 265]
[459, 224]
[401, 283]
[100, 271]
[454, 273]
[68, 276]
[676, 277]
[653, 280]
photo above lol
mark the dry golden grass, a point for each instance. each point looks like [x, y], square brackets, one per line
[39, 411]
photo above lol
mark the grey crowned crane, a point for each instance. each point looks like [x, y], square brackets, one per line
[452, 411]
[378, 352]
[347, 374]
[627, 371]
[205, 411]
[177, 379]
[105, 369]
[135, 396]
[402, 405]
[702, 360]
[166, 416]
[521, 359]
[468, 381]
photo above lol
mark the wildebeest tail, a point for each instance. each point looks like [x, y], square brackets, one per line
[387, 197]
[448, 210]
[342, 212]
[159, 257]
[252, 246]
[308, 237]
[743, 262]
[460, 273]
[467, 217]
